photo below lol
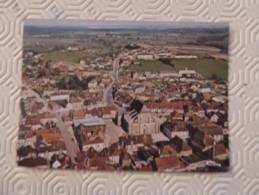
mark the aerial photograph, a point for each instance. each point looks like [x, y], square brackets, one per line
[124, 96]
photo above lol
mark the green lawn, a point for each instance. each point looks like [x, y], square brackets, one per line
[206, 67]
[65, 56]
[151, 65]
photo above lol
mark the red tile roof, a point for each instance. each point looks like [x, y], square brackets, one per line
[168, 162]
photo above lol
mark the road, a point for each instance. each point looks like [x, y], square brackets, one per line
[69, 139]
[107, 95]
[108, 98]
[112, 133]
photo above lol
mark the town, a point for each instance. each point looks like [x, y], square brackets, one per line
[121, 112]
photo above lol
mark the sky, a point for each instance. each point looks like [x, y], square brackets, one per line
[120, 24]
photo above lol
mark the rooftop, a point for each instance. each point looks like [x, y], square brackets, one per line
[89, 121]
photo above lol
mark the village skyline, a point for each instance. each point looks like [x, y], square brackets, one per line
[149, 100]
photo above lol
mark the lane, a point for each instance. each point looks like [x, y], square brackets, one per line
[69, 139]
[65, 130]
[108, 99]
[113, 132]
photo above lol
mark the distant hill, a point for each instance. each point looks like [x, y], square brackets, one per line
[32, 30]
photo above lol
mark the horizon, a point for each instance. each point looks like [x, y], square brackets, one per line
[112, 24]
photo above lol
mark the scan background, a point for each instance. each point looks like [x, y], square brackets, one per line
[243, 178]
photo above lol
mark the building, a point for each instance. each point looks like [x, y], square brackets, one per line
[187, 73]
[143, 123]
[92, 84]
[168, 164]
[185, 57]
[75, 104]
[96, 143]
[145, 57]
[181, 146]
[220, 152]
[90, 126]
[59, 96]
[180, 130]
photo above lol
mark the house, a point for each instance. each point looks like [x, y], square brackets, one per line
[47, 151]
[57, 105]
[48, 118]
[158, 137]
[143, 123]
[99, 163]
[185, 57]
[114, 157]
[199, 111]
[92, 84]
[33, 121]
[214, 118]
[219, 99]
[207, 129]
[168, 74]
[206, 93]
[180, 130]
[187, 73]
[176, 128]
[75, 104]
[26, 137]
[214, 131]
[77, 114]
[177, 116]
[59, 96]
[71, 48]
[105, 112]
[140, 89]
[220, 152]
[145, 167]
[167, 151]
[168, 164]
[133, 142]
[97, 143]
[126, 161]
[90, 126]
[219, 118]
[49, 136]
[181, 146]
[145, 57]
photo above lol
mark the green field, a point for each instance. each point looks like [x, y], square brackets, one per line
[65, 56]
[73, 57]
[151, 65]
[206, 67]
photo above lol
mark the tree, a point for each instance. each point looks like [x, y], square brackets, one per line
[215, 77]
[41, 73]
[166, 61]
[73, 82]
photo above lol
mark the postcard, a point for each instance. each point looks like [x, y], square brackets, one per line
[123, 95]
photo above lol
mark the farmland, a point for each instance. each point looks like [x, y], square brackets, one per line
[206, 67]
[151, 65]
